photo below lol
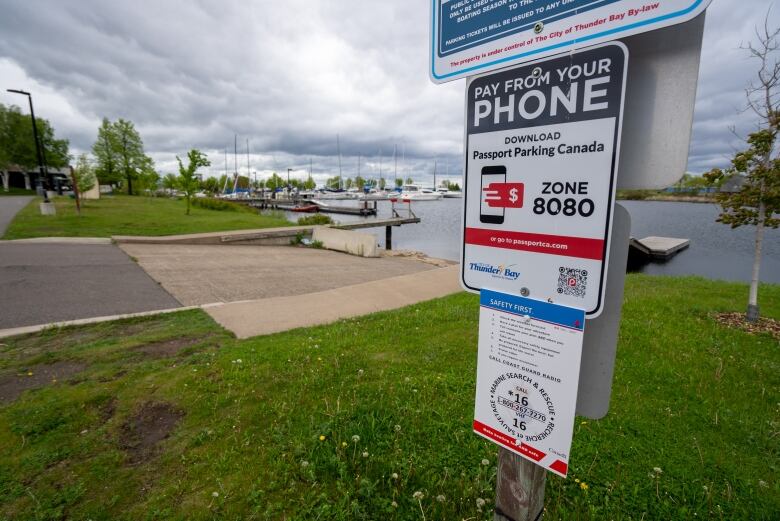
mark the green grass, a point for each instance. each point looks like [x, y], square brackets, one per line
[12, 190]
[126, 215]
[697, 400]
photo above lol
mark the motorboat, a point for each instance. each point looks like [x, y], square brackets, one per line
[416, 193]
[450, 194]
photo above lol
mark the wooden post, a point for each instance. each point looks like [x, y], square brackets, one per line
[519, 488]
[388, 237]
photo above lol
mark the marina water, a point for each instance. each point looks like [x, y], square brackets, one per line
[716, 250]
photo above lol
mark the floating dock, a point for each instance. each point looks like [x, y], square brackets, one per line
[657, 248]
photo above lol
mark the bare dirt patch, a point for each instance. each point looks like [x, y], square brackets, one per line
[167, 348]
[12, 385]
[738, 321]
[142, 433]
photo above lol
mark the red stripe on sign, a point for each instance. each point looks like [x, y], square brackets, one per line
[537, 242]
[531, 452]
[498, 437]
[560, 466]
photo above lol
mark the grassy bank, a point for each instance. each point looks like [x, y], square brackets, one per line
[126, 215]
[659, 195]
[171, 418]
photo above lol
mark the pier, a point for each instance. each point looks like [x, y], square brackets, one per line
[657, 248]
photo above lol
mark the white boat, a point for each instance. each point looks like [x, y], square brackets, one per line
[450, 194]
[416, 193]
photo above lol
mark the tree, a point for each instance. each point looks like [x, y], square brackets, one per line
[17, 145]
[106, 156]
[348, 183]
[211, 185]
[409, 181]
[399, 182]
[188, 180]
[84, 174]
[757, 201]
[274, 182]
[309, 184]
[169, 182]
[130, 150]
[119, 151]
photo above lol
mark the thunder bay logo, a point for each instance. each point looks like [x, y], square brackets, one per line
[501, 271]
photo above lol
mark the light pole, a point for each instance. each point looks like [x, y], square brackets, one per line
[288, 176]
[42, 181]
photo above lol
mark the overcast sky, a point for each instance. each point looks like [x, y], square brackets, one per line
[290, 76]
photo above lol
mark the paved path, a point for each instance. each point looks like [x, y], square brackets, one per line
[42, 283]
[271, 315]
[205, 274]
[9, 207]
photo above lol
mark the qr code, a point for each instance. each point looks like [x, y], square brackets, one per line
[572, 281]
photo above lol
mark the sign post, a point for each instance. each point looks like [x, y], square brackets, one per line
[544, 243]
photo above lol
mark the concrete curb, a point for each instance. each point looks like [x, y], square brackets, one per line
[62, 240]
[23, 330]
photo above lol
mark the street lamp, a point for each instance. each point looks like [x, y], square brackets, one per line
[288, 176]
[41, 168]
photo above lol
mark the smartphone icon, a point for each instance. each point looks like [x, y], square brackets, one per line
[487, 214]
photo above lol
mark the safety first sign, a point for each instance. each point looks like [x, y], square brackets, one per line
[542, 143]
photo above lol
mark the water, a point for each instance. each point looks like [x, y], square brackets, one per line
[716, 251]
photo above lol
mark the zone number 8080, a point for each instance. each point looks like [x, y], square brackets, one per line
[568, 207]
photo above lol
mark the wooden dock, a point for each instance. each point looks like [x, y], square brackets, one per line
[657, 248]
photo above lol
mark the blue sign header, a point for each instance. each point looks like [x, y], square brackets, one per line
[572, 318]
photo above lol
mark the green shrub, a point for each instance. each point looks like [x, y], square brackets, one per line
[216, 204]
[317, 218]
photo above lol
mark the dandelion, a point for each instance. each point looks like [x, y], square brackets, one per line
[322, 437]
[304, 463]
[762, 483]
[576, 480]
[480, 502]
[365, 454]
[394, 504]
[239, 361]
[29, 373]
[316, 346]
[319, 359]
[343, 443]
[440, 498]
[584, 486]
[215, 494]
[583, 423]
[658, 470]
[418, 495]
[394, 475]
[407, 379]
[360, 372]
[397, 428]
[485, 462]
[355, 438]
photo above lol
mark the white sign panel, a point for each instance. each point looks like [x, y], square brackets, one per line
[475, 36]
[542, 144]
[527, 372]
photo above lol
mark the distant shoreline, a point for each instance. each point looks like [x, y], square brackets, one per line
[641, 195]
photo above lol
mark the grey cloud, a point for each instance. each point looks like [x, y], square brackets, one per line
[291, 75]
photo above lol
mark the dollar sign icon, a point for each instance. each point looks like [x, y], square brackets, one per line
[513, 195]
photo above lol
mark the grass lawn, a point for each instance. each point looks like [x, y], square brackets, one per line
[170, 417]
[12, 190]
[136, 215]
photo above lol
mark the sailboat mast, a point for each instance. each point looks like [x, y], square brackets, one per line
[235, 162]
[248, 170]
[338, 148]
[395, 160]
[227, 176]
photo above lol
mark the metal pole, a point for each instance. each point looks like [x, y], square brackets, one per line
[42, 181]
